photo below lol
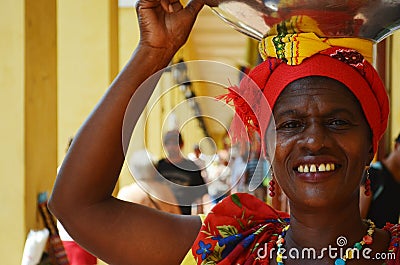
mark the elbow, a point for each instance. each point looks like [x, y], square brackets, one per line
[58, 206]
[53, 205]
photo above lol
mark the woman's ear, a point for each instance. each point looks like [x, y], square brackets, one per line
[371, 155]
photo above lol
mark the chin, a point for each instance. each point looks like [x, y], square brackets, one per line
[315, 201]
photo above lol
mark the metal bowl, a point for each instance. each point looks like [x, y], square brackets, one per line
[373, 20]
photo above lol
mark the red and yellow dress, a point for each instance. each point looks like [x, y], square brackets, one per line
[243, 230]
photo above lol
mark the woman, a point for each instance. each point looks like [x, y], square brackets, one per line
[318, 122]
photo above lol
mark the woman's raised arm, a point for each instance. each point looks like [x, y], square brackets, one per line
[119, 232]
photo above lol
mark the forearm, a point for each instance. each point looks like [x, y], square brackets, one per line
[93, 163]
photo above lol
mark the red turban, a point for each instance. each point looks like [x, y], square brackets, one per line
[273, 75]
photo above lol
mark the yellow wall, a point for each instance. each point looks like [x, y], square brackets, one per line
[84, 61]
[12, 170]
[395, 86]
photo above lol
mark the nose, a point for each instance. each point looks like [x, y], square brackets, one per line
[313, 138]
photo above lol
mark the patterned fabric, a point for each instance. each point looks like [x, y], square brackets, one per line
[241, 229]
[394, 230]
[236, 230]
[294, 46]
[298, 38]
[255, 97]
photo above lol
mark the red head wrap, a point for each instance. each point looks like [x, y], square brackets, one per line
[273, 75]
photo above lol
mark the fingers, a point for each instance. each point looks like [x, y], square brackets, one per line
[174, 6]
[171, 6]
[194, 6]
[147, 3]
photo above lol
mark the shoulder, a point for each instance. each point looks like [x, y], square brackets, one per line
[240, 222]
[247, 206]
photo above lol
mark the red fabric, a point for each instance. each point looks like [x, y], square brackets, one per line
[77, 255]
[236, 229]
[272, 76]
[394, 231]
[242, 229]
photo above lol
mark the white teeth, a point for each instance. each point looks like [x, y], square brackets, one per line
[316, 168]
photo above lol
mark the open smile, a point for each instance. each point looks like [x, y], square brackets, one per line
[323, 167]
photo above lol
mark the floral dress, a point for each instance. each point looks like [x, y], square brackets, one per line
[243, 230]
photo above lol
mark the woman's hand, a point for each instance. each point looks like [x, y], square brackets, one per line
[166, 24]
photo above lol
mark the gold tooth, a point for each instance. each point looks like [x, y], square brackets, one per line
[328, 167]
[314, 168]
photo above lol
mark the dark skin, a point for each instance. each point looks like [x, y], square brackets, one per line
[324, 124]
[126, 233]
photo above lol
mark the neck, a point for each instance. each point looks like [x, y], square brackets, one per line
[321, 228]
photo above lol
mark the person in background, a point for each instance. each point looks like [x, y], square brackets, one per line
[199, 159]
[146, 190]
[383, 183]
[219, 177]
[238, 170]
[183, 172]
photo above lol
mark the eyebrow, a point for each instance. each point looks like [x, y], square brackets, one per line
[295, 112]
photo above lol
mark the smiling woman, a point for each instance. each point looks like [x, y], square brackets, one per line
[319, 122]
[329, 111]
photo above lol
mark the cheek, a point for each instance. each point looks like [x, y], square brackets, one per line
[358, 149]
[281, 154]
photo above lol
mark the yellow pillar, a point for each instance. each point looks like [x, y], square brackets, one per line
[28, 112]
[40, 103]
[395, 86]
[12, 131]
[87, 60]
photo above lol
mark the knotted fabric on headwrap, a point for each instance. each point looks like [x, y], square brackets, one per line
[301, 55]
[298, 38]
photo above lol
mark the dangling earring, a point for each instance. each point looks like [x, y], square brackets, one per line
[272, 186]
[367, 185]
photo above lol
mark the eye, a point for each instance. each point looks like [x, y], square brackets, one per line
[338, 123]
[291, 124]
